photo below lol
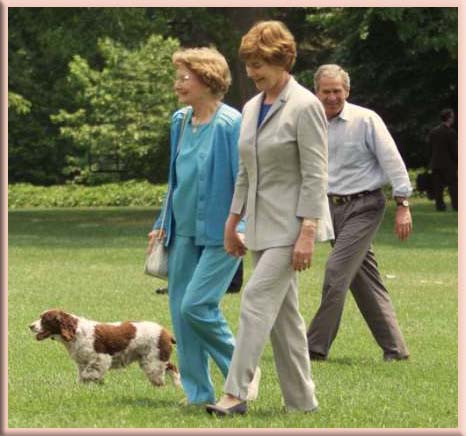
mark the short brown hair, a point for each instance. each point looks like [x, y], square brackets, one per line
[209, 65]
[270, 41]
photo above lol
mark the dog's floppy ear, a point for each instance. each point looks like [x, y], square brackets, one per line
[68, 326]
[57, 322]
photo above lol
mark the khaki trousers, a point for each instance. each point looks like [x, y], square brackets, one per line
[269, 308]
[352, 265]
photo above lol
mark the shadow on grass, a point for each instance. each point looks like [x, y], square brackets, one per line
[342, 361]
[152, 403]
[104, 226]
[78, 227]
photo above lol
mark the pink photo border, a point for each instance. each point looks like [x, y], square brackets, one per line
[5, 4]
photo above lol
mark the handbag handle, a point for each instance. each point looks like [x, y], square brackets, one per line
[183, 123]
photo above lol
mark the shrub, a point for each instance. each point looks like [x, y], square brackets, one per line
[131, 193]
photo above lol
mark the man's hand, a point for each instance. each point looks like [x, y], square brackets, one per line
[403, 222]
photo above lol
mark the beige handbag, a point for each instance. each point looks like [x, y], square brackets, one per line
[157, 262]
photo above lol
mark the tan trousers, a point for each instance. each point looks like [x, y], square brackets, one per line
[269, 308]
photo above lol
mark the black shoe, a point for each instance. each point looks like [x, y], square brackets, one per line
[233, 289]
[161, 291]
[390, 357]
[317, 356]
[239, 409]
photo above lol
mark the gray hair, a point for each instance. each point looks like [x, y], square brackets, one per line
[331, 70]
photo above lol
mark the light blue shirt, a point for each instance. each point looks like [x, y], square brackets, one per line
[362, 155]
[186, 191]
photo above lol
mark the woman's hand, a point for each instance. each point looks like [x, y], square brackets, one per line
[154, 235]
[304, 245]
[234, 242]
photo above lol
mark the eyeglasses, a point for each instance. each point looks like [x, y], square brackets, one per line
[183, 78]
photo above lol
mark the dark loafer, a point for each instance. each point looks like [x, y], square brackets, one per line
[317, 356]
[239, 409]
[390, 357]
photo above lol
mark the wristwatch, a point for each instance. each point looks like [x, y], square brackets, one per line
[402, 202]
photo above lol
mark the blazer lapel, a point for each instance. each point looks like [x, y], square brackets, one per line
[253, 115]
[277, 104]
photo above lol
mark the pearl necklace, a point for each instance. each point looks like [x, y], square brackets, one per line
[195, 127]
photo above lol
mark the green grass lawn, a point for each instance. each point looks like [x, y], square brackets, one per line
[90, 262]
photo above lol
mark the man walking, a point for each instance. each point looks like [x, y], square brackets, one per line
[443, 143]
[362, 158]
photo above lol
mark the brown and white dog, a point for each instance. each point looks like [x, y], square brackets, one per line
[97, 347]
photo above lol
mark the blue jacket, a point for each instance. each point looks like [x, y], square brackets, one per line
[217, 168]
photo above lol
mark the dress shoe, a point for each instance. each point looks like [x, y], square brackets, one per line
[238, 409]
[317, 356]
[253, 388]
[390, 357]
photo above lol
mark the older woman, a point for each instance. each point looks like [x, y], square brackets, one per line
[281, 188]
[203, 167]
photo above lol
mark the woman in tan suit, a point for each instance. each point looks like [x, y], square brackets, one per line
[281, 190]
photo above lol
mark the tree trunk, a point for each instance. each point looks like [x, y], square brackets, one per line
[242, 88]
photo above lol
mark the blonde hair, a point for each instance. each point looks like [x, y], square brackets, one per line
[270, 41]
[331, 70]
[209, 65]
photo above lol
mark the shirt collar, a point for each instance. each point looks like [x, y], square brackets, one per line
[345, 113]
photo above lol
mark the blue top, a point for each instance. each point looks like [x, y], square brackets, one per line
[263, 113]
[217, 165]
[185, 193]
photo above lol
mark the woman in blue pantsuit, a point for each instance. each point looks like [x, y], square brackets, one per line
[203, 167]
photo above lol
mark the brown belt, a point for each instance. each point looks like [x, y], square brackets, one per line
[342, 199]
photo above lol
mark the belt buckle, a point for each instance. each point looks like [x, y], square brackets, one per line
[337, 201]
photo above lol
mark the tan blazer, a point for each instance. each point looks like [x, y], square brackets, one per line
[283, 168]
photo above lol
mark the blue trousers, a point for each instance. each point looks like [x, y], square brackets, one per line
[198, 277]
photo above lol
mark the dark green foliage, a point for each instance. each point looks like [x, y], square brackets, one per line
[402, 61]
[123, 110]
[41, 43]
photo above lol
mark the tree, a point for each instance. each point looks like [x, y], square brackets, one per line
[41, 43]
[124, 109]
[402, 63]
